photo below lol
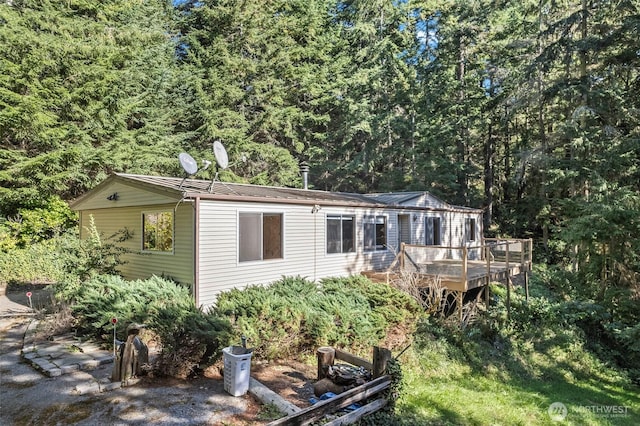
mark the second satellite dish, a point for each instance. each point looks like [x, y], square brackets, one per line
[221, 155]
[187, 162]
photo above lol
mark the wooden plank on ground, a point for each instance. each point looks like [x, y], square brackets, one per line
[267, 396]
[310, 414]
[359, 413]
[352, 359]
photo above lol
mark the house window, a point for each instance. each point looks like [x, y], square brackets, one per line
[375, 233]
[260, 236]
[470, 228]
[340, 234]
[157, 231]
[433, 231]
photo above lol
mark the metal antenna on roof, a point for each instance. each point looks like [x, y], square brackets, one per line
[222, 161]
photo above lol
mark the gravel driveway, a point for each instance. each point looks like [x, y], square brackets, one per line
[29, 398]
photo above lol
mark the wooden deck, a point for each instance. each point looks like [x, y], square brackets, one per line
[497, 260]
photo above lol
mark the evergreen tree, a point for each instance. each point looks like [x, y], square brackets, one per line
[85, 89]
[263, 72]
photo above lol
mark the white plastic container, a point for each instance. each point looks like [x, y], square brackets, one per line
[237, 369]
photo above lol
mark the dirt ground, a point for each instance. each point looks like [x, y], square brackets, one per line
[291, 379]
[29, 398]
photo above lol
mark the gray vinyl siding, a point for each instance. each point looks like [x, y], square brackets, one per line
[177, 264]
[304, 247]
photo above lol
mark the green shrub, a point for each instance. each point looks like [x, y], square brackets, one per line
[34, 225]
[295, 315]
[189, 338]
[95, 254]
[63, 258]
[37, 263]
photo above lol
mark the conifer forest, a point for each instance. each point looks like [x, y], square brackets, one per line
[528, 109]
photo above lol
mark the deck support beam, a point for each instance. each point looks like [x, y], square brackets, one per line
[487, 296]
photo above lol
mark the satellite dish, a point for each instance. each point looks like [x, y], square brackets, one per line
[188, 163]
[221, 155]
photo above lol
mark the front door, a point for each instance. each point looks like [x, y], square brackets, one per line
[404, 229]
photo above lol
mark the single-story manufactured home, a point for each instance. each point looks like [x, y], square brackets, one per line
[215, 237]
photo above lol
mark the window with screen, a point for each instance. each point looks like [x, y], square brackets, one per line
[375, 233]
[157, 231]
[340, 234]
[433, 231]
[260, 236]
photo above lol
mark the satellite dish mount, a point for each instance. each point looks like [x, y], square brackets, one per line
[222, 161]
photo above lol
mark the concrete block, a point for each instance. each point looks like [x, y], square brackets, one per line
[29, 355]
[107, 359]
[105, 387]
[66, 369]
[88, 387]
[91, 364]
[43, 364]
[53, 372]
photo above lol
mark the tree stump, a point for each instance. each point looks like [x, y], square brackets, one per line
[326, 355]
[380, 358]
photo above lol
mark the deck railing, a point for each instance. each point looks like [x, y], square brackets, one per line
[434, 259]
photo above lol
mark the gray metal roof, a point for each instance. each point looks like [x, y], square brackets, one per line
[204, 189]
[398, 197]
[191, 188]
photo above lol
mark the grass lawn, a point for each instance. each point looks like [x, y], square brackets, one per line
[512, 378]
[461, 395]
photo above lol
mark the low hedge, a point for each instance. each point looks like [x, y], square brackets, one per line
[295, 315]
[190, 339]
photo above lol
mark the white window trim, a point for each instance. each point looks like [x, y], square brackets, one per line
[262, 211]
[355, 233]
[173, 232]
[386, 230]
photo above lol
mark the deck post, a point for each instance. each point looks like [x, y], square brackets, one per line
[526, 286]
[402, 256]
[508, 283]
[487, 296]
[465, 266]
[487, 256]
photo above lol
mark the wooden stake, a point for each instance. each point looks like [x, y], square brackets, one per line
[326, 355]
[380, 358]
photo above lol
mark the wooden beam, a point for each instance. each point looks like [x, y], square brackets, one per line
[359, 413]
[310, 414]
[267, 396]
[352, 359]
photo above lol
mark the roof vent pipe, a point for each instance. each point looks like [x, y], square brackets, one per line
[304, 171]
